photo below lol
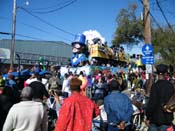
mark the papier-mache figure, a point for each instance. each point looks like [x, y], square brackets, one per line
[78, 47]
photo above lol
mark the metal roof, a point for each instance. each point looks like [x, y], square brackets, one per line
[49, 48]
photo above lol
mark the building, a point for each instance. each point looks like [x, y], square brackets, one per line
[29, 51]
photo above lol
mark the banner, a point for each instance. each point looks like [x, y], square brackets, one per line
[91, 70]
[4, 53]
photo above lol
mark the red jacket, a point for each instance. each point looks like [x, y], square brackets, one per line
[76, 114]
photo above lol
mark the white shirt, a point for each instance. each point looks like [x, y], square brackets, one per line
[66, 87]
[26, 116]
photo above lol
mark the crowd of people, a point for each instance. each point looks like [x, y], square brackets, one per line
[80, 102]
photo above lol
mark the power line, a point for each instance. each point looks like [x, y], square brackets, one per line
[154, 19]
[50, 7]
[7, 33]
[44, 21]
[162, 1]
[37, 28]
[53, 10]
[158, 4]
[33, 38]
[166, 8]
[168, 12]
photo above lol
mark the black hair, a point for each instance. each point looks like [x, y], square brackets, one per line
[113, 85]
[81, 72]
[66, 75]
[162, 69]
[103, 79]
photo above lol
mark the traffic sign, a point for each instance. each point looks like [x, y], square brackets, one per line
[147, 50]
[148, 60]
[149, 68]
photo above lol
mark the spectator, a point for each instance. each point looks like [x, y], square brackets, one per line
[6, 102]
[101, 89]
[77, 111]
[11, 81]
[118, 108]
[84, 80]
[66, 87]
[26, 115]
[54, 81]
[39, 91]
[161, 91]
[37, 76]
[102, 118]
[34, 77]
[54, 104]
[2, 83]
[89, 86]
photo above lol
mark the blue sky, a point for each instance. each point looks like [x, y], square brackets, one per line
[79, 16]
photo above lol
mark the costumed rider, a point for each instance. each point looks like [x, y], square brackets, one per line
[78, 49]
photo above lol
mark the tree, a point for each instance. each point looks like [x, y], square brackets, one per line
[163, 41]
[130, 28]
[130, 31]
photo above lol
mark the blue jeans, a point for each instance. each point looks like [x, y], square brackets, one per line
[89, 92]
[154, 127]
[112, 128]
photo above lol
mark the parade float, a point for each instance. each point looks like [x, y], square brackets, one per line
[91, 54]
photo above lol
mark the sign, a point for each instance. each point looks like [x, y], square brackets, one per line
[147, 50]
[148, 60]
[149, 69]
[4, 53]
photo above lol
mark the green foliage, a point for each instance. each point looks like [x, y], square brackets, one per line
[130, 28]
[163, 41]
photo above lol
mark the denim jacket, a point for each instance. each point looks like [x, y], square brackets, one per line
[118, 107]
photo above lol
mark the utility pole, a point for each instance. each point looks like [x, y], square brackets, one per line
[13, 36]
[147, 38]
[147, 27]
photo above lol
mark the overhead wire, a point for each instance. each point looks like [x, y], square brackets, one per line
[158, 4]
[46, 22]
[7, 33]
[153, 18]
[37, 28]
[50, 7]
[33, 38]
[168, 12]
[54, 10]
[162, 2]
[153, 2]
